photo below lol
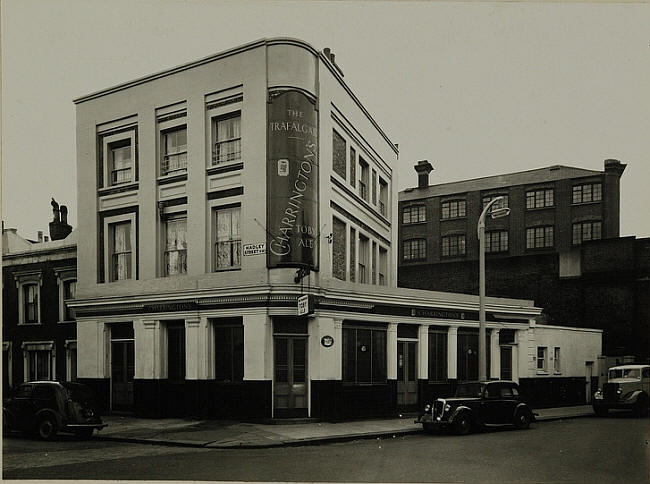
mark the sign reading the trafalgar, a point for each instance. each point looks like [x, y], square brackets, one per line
[292, 178]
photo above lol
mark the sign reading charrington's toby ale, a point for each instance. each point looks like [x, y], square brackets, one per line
[292, 181]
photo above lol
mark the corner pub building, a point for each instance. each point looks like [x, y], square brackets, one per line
[211, 197]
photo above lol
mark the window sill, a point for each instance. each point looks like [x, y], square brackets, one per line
[423, 222]
[172, 177]
[67, 321]
[586, 203]
[29, 323]
[124, 187]
[226, 166]
[450, 219]
[226, 269]
[534, 209]
[543, 372]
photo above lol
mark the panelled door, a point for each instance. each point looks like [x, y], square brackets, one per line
[407, 380]
[122, 372]
[290, 384]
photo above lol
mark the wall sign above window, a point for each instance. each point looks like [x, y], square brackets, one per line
[327, 341]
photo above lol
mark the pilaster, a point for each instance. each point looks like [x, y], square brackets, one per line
[391, 351]
[495, 354]
[452, 353]
[423, 352]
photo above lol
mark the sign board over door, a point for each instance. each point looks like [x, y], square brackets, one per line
[292, 181]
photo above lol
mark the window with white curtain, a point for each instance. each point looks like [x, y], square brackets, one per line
[226, 136]
[174, 153]
[175, 250]
[121, 251]
[227, 245]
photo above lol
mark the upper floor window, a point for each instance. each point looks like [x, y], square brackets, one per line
[539, 198]
[414, 214]
[373, 182]
[364, 251]
[587, 192]
[121, 251]
[227, 243]
[584, 231]
[383, 266]
[415, 249]
[539, 237]
[363, 179]
[226, 138]
[383, 196]
[120, 159]
[453, 245]
[338, 154]
[174, 152]
[503, 203]
[353, 167]
[454, 209]
[30, 301]
[496, 241]
[69, 292]
[175, 251]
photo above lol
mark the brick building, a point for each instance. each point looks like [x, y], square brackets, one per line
[38, 327]
[559, 246]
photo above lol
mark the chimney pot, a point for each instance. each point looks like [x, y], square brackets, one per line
[46, 238]
[40, 235]
[64, 214]
[423, 168]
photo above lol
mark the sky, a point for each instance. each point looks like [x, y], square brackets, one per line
[478, 89]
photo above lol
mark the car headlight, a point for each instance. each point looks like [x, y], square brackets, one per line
[599, 394]
[427, 407]
[447, 407]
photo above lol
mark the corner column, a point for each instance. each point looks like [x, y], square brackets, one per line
[495, 354]
[423, 352]
[391, 351]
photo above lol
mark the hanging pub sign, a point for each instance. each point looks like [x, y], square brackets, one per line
[292, 181]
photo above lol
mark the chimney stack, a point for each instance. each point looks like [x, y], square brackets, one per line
[59, 228]
[40, 236]
[614, 166]
[423, 168]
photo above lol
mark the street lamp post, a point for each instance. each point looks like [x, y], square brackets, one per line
[497, 213]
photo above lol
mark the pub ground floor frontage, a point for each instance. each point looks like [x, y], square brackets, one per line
[251, 357]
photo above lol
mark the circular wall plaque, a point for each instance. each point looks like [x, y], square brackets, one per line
[327, 341]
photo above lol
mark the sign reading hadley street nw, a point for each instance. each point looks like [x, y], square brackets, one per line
[254, 249]
[292, 181]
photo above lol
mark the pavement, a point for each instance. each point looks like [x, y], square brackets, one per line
[244, 435]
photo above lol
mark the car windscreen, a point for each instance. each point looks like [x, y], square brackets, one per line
[469, 390]
[78, 392]
[624, 373]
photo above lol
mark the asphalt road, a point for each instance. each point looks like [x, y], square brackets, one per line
[611, 450]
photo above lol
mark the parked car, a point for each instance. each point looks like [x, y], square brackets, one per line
[478, 405]
[48, 407]
[627, 387]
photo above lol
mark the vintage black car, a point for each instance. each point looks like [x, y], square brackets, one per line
[478, 405]
[47, 407]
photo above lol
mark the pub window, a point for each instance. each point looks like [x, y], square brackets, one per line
[539, 198]
[338, 154]
[584, 231]
[415, 249]
[338, 249]
[453, 245]
[363, 179]
[414, 214]
[176, 351]
[437, 354]
[383, 265]
[364, 355]
[227, 242]
[353, 167]
[229, 352]
[174, 151]
[353, 262]
[539, 237]
[467, 354]
[587, 192]
[364, 250]
[557, 367]
[175, 246]
[226, 138]
[454, 209]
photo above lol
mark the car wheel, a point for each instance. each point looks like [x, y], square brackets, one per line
[463, 424]
[84, 433]
[47, 428]
[522, 419]
[601, 411]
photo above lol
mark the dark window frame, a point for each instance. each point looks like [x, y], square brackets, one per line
[233, 354]
[414, 249]
[414, 214]
[446, 245]
[372, 340]
[451, 209]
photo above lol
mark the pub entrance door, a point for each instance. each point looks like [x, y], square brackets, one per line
[122, 366]
[290, 385]
[407, 380]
